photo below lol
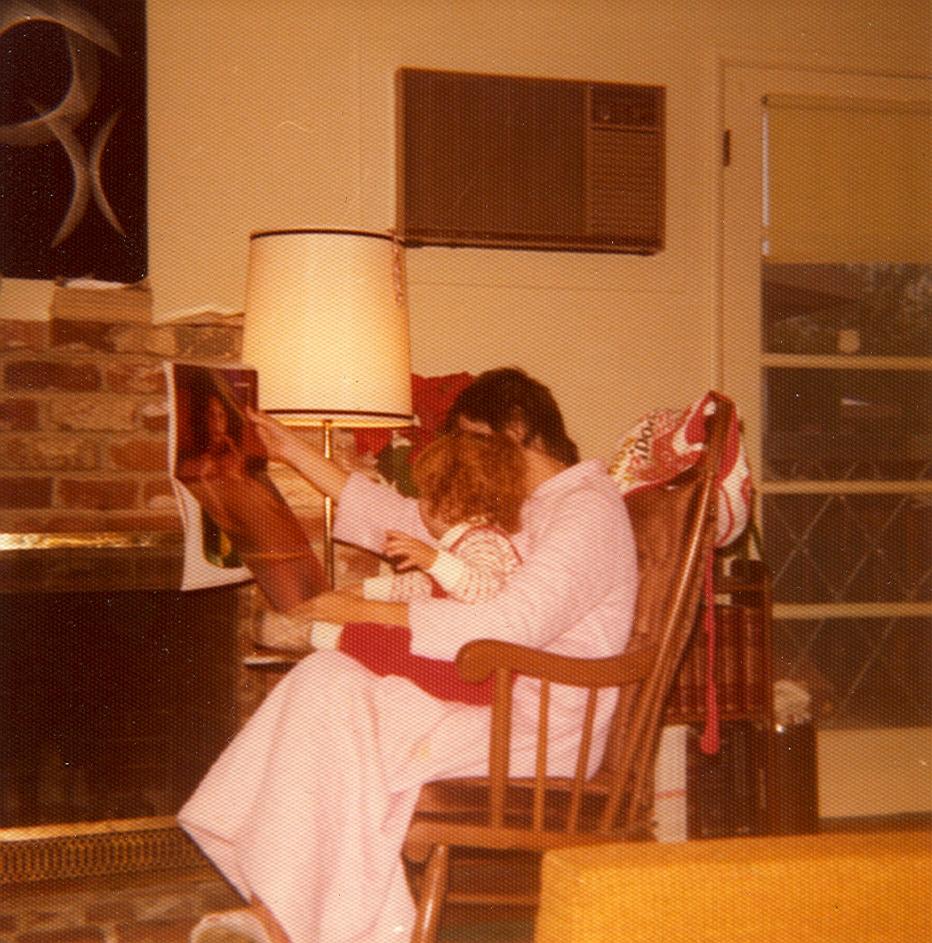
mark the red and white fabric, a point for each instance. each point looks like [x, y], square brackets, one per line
[660, 446]
[665, 442]
[473, 562]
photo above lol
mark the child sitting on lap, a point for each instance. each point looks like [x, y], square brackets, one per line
[471, 488]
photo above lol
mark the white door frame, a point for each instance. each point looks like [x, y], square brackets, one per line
[849, 760]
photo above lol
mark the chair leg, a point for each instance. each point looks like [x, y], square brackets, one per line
[433, 892]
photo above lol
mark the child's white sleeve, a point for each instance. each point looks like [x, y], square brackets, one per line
[449, 570]
[378, 587]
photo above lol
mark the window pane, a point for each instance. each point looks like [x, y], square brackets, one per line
[855, 548]
[879, 309]
[826, 424]
[860, 672]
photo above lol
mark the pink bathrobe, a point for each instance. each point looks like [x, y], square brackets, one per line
[308, 807]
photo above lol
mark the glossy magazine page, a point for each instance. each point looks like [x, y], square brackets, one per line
[237, 525]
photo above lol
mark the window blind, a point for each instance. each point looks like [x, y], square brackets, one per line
[847, 180]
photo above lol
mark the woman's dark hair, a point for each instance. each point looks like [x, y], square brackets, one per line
[506, 395]
[201, 389]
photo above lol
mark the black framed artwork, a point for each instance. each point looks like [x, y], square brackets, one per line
[73, 140]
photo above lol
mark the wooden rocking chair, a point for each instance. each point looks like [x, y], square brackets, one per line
[674, 526]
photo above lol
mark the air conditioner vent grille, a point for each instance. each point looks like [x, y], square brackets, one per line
[624, 179]
[518, 162]
[631, 106]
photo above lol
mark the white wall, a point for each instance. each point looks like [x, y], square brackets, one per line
[867, 772]
[280, 113]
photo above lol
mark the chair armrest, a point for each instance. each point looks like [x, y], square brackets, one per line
[478, 659]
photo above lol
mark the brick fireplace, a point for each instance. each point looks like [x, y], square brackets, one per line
[90, 563]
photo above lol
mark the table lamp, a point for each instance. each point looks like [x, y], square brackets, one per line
[326, 327]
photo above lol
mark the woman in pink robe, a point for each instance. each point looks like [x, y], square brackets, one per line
[306, 811]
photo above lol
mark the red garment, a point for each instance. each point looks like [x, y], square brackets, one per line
[386, 650]
[431, 398]
[489, 557]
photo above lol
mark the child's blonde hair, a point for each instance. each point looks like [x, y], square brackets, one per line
[463, 475]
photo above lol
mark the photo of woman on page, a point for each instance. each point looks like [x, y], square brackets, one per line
[222, 464]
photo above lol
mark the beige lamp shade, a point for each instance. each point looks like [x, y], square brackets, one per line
[326, 326]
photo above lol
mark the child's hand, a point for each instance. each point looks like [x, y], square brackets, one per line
[408, 552]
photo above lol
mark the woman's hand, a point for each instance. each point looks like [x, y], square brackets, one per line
[337, 606]
[407, 552]
[285, 445]
[281, 443]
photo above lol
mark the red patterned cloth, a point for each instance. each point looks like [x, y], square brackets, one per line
[668, 441]
[660, 446]
[431, 397]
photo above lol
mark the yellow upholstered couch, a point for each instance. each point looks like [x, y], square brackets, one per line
[850, 888]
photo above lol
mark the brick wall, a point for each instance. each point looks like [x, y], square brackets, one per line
[155, 908]
[83, 420]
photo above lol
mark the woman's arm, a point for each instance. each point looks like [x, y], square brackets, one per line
[369, 509]
[284, 445]
[345, 607]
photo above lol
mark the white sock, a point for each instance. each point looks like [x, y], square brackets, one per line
[230, 926]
